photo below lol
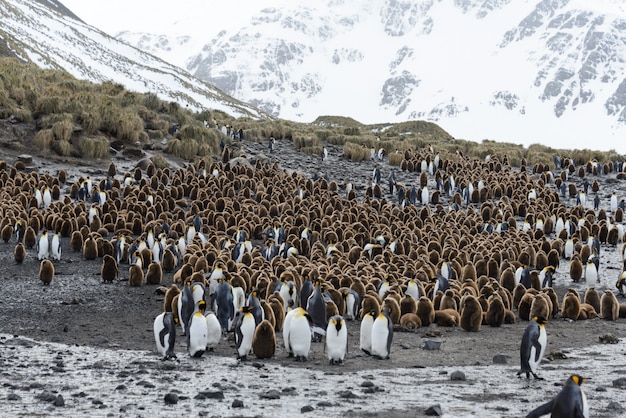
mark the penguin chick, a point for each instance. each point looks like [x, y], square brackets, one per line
[533, 347]
[609, 307]
[46, 271]
[109, 271]
[569, 402]
[264, 340]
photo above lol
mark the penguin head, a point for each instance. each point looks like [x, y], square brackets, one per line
[579, 379]
[540, 320]
[337, 322]
[176, 319]
[245, 309]
[202, 306]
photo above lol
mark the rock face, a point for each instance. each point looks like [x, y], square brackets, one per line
[281, 61]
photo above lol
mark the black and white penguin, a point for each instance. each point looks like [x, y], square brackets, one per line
[367, 323]
[255, 305]
[197, 332]
[214, 330]
[305, 291]
[185, 306]
[621, 282]
[352, 303]
[43, 246]
[336, 340]
[244, 332]
[534, 343]
[165, 334]
[439, 283]
[545, 276]
[382, 335]
[569, 402]
[300, 334]
[287, 328]
[222, 301]
[316, 307]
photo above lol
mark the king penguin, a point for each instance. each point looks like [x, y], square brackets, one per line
[300, 334]
[185, 306]
[197, 332]
[534, 343]
[569, 402]
[336, 340]
[214, 330]
[382, 334]
[165, 334]
[43, 246]
[316, 307]
[287, 329]
[244, 332]
[353, 303]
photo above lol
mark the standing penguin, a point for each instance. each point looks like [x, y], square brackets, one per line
[46, 271]
[185, 306]
[55, 246]
[197, 332]
[353, 303]
[300, 334]
[223, 304]
[569, 402]
[366, 332]
[336, 339]
[244, 332]
[534, 343]
[43, 246]
[214, 330]
[264, 340]
[287, 328]
[165, 334]
[316, 307]
[382, 334]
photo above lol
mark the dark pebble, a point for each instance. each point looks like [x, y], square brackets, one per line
[171, 398]
[59, 401]
[458, 375]
[272, 394]
[211, 394]
[47, 396]
[600, 389]
[500, 359]
[121, 387]
[367, 384]
[13, 397]
[306, 408]
[323, 404]
[614, 406]
[620, 383]
[237, 403]
[347, 394]
[434, 411]
[431, 345]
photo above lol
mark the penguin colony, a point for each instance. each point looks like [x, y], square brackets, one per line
[297, 255]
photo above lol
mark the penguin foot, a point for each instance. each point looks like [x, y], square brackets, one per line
[300, 358]
[242, 358]
[536, 376]
[290, 355]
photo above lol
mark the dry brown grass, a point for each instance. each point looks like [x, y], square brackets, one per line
[43, 139]
[94, 147]
[355, 152]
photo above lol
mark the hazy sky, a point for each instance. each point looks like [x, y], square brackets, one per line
[164, 16]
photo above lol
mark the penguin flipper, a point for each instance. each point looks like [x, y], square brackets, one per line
[541, 410]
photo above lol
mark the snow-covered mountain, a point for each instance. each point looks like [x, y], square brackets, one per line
[47, 33]
[523, 71]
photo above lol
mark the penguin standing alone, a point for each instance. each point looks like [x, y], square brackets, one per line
[300, 334]
[336, 339]
[569, 402]
[165, 334]
[534, 343]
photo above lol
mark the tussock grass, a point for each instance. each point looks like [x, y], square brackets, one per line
[63, 130]
[396, 159]
[94, 147]
[62, 147]
[305, 142]
[159, 161]
[355, 152]
[43, 139]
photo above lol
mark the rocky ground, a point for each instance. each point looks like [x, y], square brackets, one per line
[88, 347]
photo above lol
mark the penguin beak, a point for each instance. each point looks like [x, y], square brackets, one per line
[338, 325]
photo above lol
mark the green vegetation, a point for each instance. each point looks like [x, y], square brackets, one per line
[83, 119]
